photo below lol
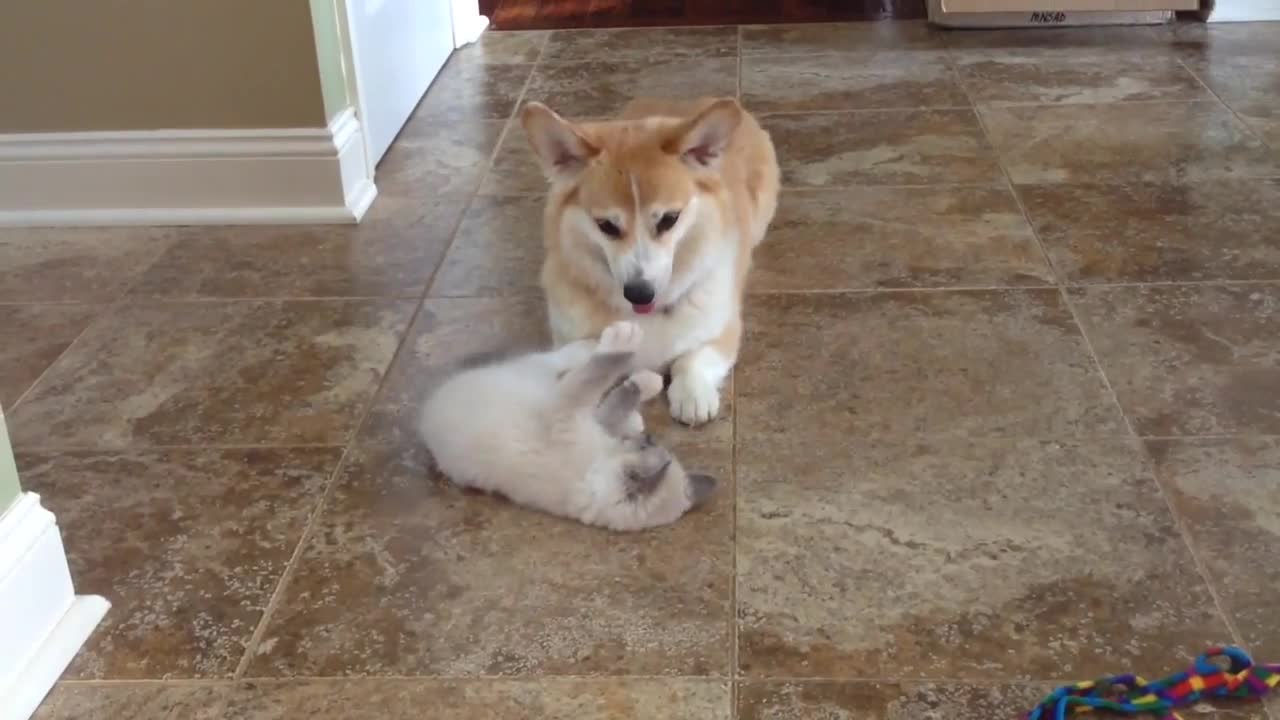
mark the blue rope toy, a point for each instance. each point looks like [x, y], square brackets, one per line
[1131, 695]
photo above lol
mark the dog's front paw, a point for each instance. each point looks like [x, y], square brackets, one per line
[620, 337]
[694, 401]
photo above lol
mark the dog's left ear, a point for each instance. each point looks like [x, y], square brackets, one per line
[562, 150]
[702, 139]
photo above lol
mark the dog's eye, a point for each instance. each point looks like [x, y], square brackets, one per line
[668, 221]
[608, 228]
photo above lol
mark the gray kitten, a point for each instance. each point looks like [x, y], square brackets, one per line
[561, 432]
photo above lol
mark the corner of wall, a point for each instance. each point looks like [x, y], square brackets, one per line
[10, 488]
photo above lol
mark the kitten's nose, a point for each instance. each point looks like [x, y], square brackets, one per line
[638, 292]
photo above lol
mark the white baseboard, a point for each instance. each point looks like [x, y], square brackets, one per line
[42, 622]
[182, 177]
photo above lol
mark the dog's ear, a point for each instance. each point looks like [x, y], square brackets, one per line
[561, 149]
[701, 140]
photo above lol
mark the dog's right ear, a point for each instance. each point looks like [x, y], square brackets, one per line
[562, 151]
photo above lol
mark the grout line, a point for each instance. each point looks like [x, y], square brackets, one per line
[1258, 136]
[109, 307]
[295, 559]
[754, 292]
[67, 303]
[893, 290]
[1148, 461]
[277, 596]
[735, 650]
[615, 28]
[733, 477]
[475, 192]
[177, 299]
[143, 449]
[603, 679]
[366, 442]
[859, 111]
[1184, 531]
[1217, 436]
[738, 57]
[987, 106]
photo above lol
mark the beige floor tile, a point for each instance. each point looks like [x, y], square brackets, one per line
[896, 238]
[295, 372]
[497, 251]
[1159, 232]
[31, 338]
[466, 92]
[1155, 142]
[857, 81]
[809, 38]
[1191, 359]
[1002, 77]
[605, 699]
[93, 265]
[988, 363]
[188, 545]
[891, 147]
[1225, 491]
[641, 44]
[959, 559]
[601, 88]
[407, 575]
[391, 253]
[451, 159]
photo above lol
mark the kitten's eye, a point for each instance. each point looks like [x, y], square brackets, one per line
[608, 228]
[668, 221]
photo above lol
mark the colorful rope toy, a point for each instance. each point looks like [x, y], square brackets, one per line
[1131, 695]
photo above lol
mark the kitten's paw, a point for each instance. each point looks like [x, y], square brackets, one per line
[633, 425]
[694, 401]
[620, 337]
[649, 384]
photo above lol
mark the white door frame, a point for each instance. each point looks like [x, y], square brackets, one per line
[468, 25]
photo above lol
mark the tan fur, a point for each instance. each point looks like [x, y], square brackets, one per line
[708, 159]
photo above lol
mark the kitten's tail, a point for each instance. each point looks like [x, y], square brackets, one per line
[584, 386]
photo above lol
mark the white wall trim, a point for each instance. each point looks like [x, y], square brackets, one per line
[42, 622]
[468, 23]
[178, 177]
[1245, 11]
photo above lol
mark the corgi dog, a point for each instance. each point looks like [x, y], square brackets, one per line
[652, 218]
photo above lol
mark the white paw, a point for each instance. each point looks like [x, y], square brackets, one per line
[620, 337]
[694, 401]
[649, 383]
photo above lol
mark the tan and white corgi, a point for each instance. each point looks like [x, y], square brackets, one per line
[652, 218]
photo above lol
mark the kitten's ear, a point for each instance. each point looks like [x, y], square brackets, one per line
[701, 488]
[561, 148]
[701, 140]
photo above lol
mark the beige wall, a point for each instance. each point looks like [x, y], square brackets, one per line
[78, 65]
[327, 21]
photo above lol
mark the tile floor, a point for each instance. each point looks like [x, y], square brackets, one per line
[1008, 410]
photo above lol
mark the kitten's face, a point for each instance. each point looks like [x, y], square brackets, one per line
[657, 485]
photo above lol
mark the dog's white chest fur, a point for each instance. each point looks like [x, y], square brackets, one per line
[699, 316]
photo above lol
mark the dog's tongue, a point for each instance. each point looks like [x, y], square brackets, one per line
[643, 309]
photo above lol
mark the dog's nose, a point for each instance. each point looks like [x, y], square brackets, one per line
[638, 292]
